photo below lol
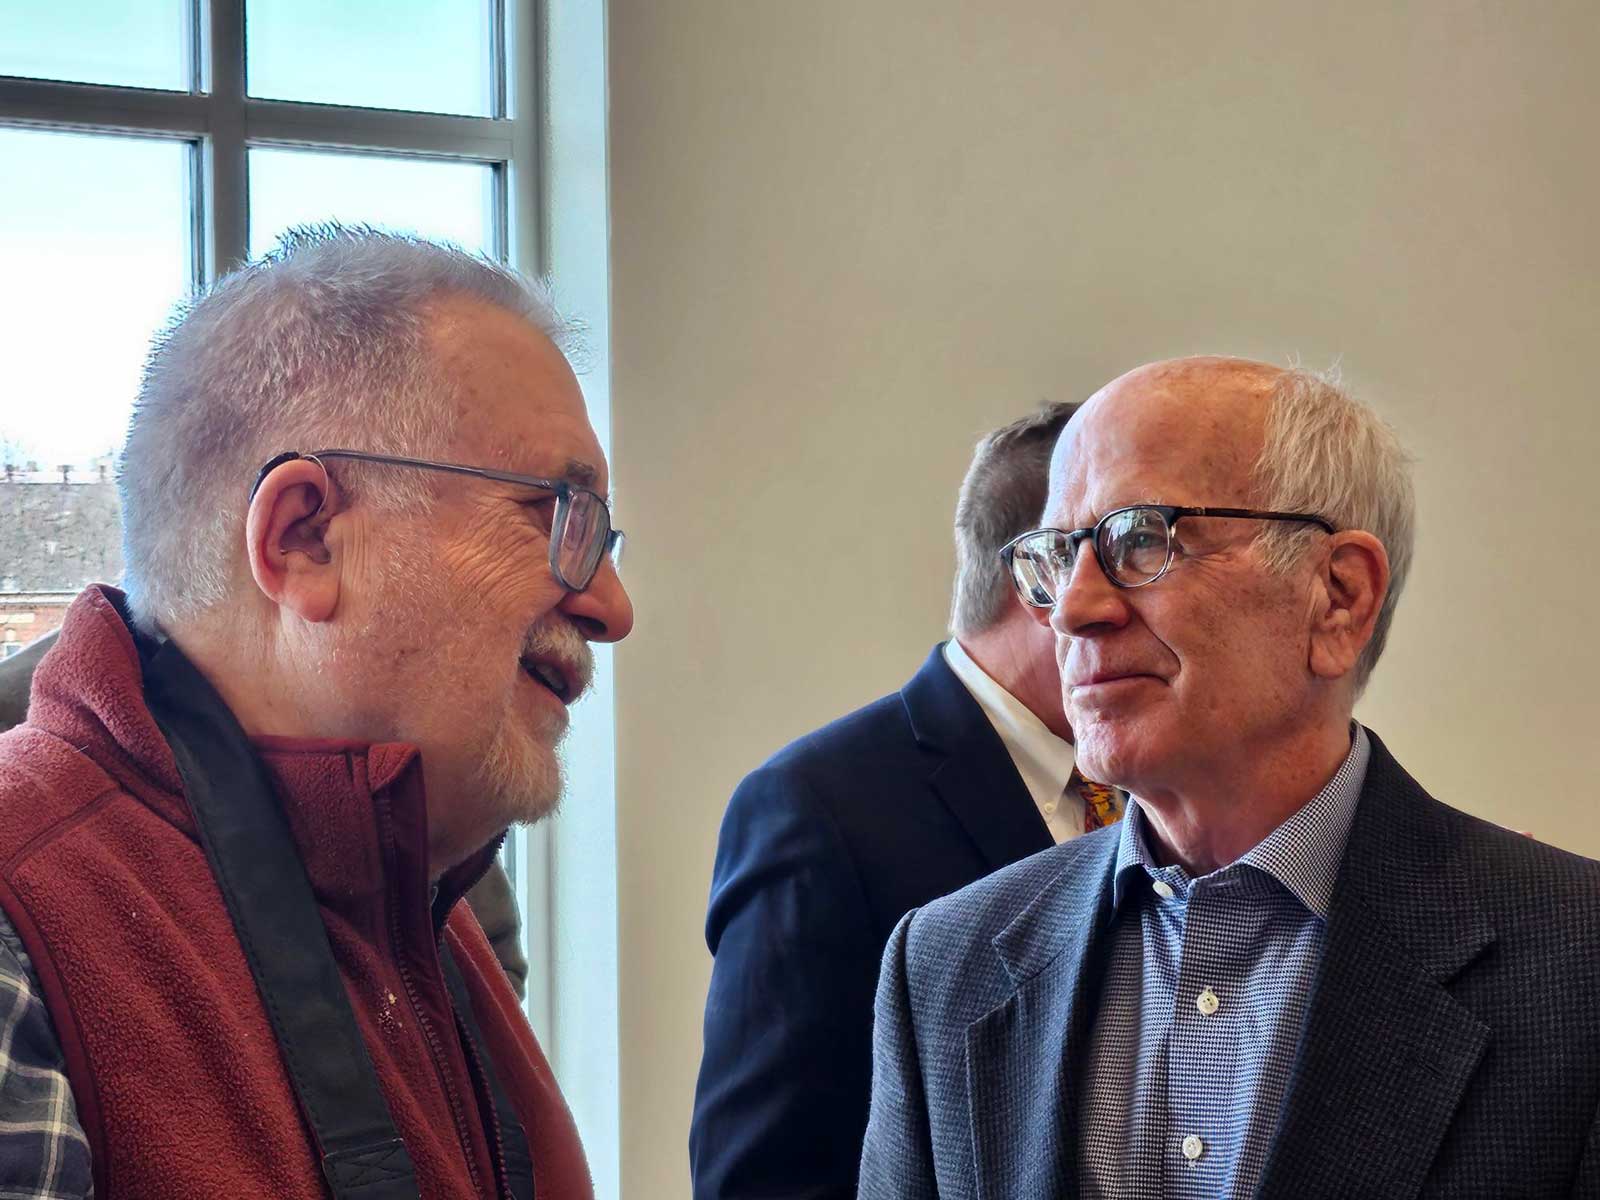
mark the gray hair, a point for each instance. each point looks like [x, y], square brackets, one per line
[320, 343]
[1327, 453]
[1002, 496]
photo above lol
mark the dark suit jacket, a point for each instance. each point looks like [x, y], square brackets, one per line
[1452, 1046]
[822, 850]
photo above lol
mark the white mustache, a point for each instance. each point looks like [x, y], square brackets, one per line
[557, 638]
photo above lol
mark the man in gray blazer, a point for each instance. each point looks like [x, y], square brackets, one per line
[1290, 972]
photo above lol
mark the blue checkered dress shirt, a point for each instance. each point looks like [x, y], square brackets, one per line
[1206, 990]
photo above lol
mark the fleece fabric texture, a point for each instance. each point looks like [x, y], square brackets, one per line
[172, 1060]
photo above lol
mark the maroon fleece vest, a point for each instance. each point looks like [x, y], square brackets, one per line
[173, 1063]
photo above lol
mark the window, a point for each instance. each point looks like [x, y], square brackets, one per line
[146, 149]
[91, 272]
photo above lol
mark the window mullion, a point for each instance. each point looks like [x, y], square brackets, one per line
[226, 187]
[521, 214]
[99, 107]
[499, 59]
[295, 123]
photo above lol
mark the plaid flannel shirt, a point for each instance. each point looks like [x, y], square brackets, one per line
[43, 1152]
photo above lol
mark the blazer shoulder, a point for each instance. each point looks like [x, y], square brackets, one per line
[951, 935]
[1403, 830]
[869, 734]
[1437, 874]
[1521, 879]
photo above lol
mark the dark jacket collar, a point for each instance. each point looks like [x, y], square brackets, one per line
[1403, 861]
[970, 768]
[1388, 1050]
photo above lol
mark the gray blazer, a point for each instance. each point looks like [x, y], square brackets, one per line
[1452, 1047]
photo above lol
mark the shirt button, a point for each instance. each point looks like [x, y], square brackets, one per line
[1163, 889]
[1207, 1002]
[1193, 1147]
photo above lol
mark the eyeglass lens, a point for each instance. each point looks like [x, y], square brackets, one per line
[1037, 562]
[584, 534]
[1132, 545]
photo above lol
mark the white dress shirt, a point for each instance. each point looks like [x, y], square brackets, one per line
[1042, 759]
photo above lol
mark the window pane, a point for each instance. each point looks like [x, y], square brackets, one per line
[423, 55]
[445, 201]
[91, 272]
[97, 41]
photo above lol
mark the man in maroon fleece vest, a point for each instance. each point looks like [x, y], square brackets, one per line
[367, 547]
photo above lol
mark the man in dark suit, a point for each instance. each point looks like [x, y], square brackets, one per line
[967, 768]
[1290, 972]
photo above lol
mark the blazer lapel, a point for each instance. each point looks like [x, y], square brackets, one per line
[1387, 1051]
[974, 775]
[1022, 1056]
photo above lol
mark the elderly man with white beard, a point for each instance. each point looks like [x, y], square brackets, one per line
[367, 546]
[1290, 972]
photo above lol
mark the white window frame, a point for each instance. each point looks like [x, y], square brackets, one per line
[221, 123]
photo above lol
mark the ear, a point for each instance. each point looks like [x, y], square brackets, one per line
[286, 538]
[1349, 590]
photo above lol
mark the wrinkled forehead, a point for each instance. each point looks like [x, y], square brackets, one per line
[1187, 431]
[517, 402]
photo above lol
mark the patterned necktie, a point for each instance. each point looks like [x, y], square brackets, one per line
[1102, 805]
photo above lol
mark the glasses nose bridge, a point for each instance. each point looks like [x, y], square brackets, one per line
[1089, 599]
[1075, 540]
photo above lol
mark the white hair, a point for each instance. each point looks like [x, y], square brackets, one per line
[321, 343]
[1327, 453]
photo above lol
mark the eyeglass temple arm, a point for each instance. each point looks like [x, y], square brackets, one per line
[613, 534]
[552, 485]
[1255, 514]
[427, 465]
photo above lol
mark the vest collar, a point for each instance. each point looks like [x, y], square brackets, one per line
[357, 811]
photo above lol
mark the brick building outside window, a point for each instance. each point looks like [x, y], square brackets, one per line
[59, 532]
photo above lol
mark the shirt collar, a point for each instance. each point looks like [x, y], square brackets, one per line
[1303, 853]
[1038, 753]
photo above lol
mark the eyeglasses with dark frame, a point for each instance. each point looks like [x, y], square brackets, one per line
[581, 533]
[1133, 546]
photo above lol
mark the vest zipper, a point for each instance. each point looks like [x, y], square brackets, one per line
[469, 1049]
[497, 1144]
[435, 1047]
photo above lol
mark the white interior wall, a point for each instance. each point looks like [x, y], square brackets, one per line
[847, 238]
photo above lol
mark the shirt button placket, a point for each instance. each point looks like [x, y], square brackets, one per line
[1200, 1052]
